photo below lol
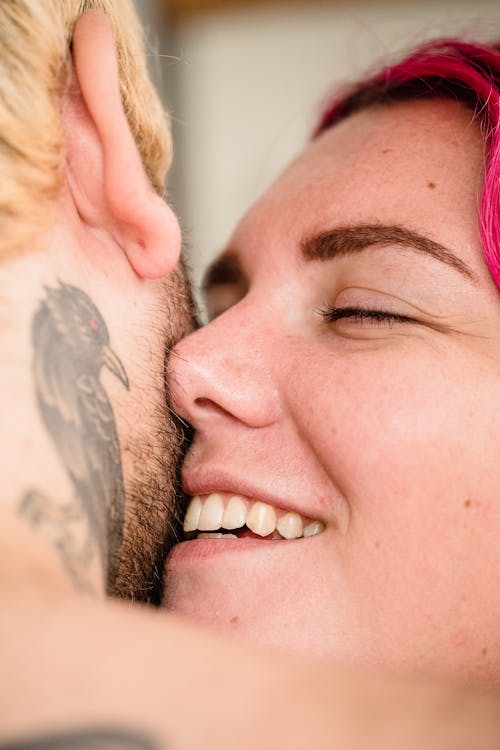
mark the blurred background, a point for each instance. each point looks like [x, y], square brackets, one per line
[244, 81]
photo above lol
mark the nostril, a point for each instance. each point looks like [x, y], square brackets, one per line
[210, 406]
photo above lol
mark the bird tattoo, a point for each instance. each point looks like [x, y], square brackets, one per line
[84, 739]
[71, 346]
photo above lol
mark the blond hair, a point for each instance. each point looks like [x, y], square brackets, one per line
[35, 39]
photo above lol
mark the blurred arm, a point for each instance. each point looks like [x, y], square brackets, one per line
[90, 671]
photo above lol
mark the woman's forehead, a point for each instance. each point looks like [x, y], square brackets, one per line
[418, 138]
[415, 164]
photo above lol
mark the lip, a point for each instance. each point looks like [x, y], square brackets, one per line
[206, 480]
[202, 549]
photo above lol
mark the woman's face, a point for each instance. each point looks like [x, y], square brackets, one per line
[352, 375]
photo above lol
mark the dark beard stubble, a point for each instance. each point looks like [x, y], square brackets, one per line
[155, 502]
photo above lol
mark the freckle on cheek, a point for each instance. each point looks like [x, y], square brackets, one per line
[467, 503]
[234, 620]
[431, 185]
[484, 651]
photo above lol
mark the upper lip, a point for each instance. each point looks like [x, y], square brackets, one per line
[207, 480]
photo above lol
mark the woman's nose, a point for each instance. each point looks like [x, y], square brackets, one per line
[223, 372]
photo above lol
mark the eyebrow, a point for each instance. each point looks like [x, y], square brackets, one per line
[341, 241]
[348, 240]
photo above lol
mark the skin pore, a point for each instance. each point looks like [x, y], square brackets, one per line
[353, 378]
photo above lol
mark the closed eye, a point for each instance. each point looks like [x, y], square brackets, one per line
[361, 315]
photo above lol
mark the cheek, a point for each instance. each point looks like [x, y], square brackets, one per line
[412, 443]
[390, 424]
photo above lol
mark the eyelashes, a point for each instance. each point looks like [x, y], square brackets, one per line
[361, 315]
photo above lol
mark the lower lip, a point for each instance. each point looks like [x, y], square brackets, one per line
[203, 548]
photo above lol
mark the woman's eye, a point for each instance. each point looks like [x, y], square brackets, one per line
[363, 316]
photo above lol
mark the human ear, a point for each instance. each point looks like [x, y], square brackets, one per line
[105, 172]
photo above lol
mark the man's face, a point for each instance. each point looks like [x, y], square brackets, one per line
[155, 440]
[351, 379]
[143, 319]
[144, 324]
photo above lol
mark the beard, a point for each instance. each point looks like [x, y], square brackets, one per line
[155, 502]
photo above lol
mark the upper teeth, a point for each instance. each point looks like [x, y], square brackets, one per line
[216, 512]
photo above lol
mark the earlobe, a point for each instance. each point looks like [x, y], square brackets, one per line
[105, 171]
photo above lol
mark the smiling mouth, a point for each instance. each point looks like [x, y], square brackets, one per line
[225, 516]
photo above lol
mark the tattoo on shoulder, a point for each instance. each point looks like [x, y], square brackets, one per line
[97, 739]
[70, 348]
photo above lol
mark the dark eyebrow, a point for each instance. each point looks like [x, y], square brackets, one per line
[348, 240]
[224, 270]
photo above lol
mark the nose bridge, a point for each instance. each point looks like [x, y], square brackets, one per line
[225, 370]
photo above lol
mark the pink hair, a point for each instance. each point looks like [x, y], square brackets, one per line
[448, 68]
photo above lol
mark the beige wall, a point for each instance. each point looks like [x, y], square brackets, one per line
[249, 85]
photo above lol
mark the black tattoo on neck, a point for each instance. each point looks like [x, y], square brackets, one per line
[71, 346]
[97, 739]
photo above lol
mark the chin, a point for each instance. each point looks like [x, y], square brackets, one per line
[286, 596]
[264, 591]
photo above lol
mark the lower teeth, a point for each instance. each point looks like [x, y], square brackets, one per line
[312, 529]
[218, 535]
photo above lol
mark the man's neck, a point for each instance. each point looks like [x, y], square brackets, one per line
[89, 449]
[38, 490]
